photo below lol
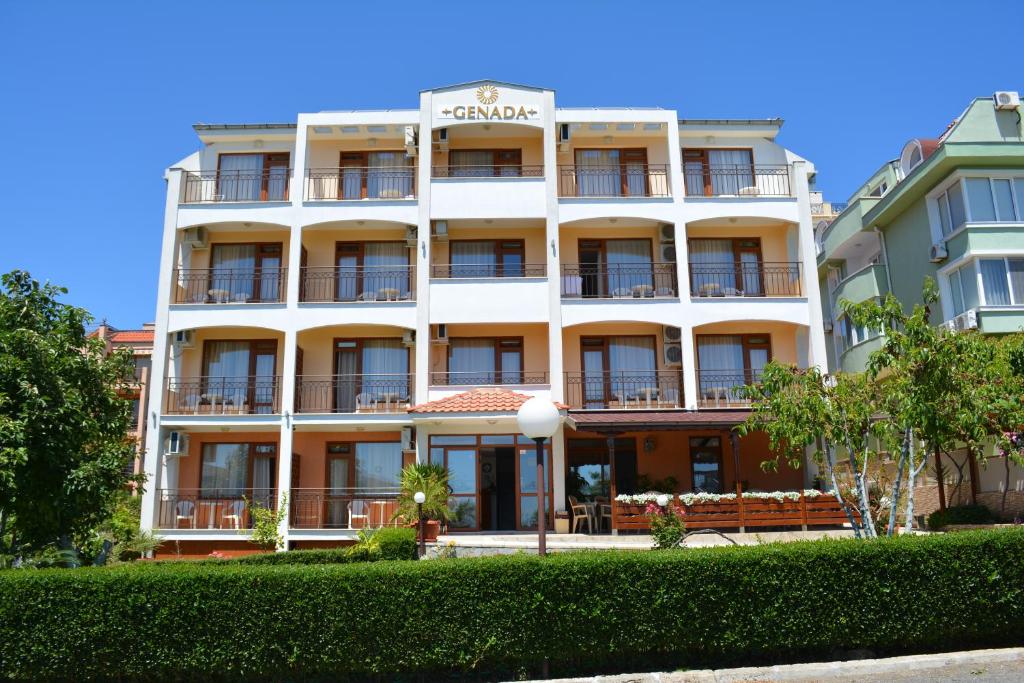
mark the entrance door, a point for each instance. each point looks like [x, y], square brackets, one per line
[340, 475]
[527, 479]
[748, 258]
[592, 268]
[463, 481]
[497, 488]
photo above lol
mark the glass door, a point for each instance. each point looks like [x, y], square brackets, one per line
[262, 391]
[463, 481]
[275, 177]
[592, 272]
[352, 181]
[340, 475]
[749, 272]
[526, 477]
[595, 378]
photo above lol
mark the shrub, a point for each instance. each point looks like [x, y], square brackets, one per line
[498, 616]
[668, 525]
[382, 544]
[960, 514]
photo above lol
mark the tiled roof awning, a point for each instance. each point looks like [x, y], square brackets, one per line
[477, 401]
[655, 420]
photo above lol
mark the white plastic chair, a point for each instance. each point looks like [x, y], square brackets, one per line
[232, 515]
[185, 511]
[358, 509]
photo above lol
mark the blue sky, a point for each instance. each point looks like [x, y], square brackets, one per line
[99, 97]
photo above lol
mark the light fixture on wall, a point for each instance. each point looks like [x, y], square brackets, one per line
[258, 144]
[607, 139]
[371, 142]
[649, 444]
[553, 253]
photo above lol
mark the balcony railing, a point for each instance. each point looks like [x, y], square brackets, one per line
[613, 281]
[488, 270]
[624, 390]
[210, 508]
[487, 378]
[737, 181]
[627, 180]
[489, 171]
[253, 395]
[343, 508]
[365, 393]
[362, 283]
[360, 182]
[236, 186]
[724, 388]
[230, 285]
[745, 279]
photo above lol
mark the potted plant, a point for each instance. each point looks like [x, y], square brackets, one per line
[432, 480]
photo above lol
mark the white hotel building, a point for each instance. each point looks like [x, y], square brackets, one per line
[358, 289]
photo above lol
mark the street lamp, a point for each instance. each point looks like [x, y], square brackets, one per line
[420, 499]
[539, 419]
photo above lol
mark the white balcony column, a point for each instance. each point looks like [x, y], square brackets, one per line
[296, 190]
[690, 385]
[154, 435]
[558, 469]
[423, 171]
[809, 267]
[284, 447]
[553, 257]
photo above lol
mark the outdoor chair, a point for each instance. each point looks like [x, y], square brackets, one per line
[580, 514]
[358, 510]
[604, 512]
[185, 511]
[232, 515]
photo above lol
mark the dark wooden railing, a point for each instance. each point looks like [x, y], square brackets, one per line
[488, 270]
[343, 508]
[230, 285]
[724, 388]
[487, 378]
[210, 509]
[362, 283]
[745, 279]
[360, 182]
[366, 393]
[488, 171]
[624, 390]
[633, 281]
[253, 395]
[236, 186]
[737, 181]
[625, 180]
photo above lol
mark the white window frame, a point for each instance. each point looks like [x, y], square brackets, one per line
[934, 200]
[982, 295]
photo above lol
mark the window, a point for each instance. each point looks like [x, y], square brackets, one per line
[372, 271]
[375, 175]
[963, 285]
[728, 361]
[621, 370]
[1002, 280]
[611, 172]
[369, 373]
[252, 177]
[619, 268]
[240, 374]
[730, 267]
[485, 361]
[706, 463]
[487, 258]
[713, 172]
[233, 470]
[952, 213]
[485, 163]
[245, 272]
[879, 190]
[992, 199]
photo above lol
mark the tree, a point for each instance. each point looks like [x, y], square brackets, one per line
[63, 426]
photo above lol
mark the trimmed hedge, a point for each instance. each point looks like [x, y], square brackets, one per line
[501, 615]
[960, 514]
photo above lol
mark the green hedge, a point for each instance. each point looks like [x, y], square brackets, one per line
[383, 544]
[960, 514]
[503, 615]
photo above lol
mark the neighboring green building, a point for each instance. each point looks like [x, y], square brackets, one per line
[951, 208]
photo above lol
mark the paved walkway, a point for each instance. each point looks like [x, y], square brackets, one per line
[976, 666]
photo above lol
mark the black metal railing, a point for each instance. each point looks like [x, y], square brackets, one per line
[624, 389]
[343, 508]
[625, 180]
[253, 395]
[210, 508]
[613, 281]
[362, 283]
[487, 378]
[236, 186]
[739, 180]
[230, 285]
[724, 388]
[488, 270]
[362, 393]
[488, 171]
[745, 279]
[360, 182]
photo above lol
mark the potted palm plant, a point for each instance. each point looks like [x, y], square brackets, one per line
[432, 480]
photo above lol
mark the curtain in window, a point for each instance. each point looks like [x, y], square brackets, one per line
[598, 173]
[346, 382]
[389, 176]
[385, 369]
[227, 359]
[262, 481]
[954, 287]
[471, 163]
[993, 282]
[730, 170]
[979, 198]
[957, 212]
[629, 267]
[720, 360]
[472, 361]
[633, 366]
[233, 269]
[385, 267]
[241, 177]
[473, 259]
[378, 465]
[1003, 190]
[711, 266]
[1017, 280]
[225, 467]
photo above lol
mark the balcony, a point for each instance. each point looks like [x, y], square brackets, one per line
[230, 285]
[354, 393]
[614, 281]
[624, 390]
[745, 279]
[724, 388]
[737, 181]
[488, 171]
[269, 185]
[253, 395]
[869, 282]
[630, 180]
[210, 509]
[358, 283]
[354, 183]
[343, 508]
[487, 378]
[457, 271]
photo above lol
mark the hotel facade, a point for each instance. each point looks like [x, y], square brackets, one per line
[358, 290]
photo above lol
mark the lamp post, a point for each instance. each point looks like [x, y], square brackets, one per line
[421, 498]
[538, 419]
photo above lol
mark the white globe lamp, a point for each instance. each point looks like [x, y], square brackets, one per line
[538, 419]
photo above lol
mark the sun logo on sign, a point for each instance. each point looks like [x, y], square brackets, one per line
[487, 94]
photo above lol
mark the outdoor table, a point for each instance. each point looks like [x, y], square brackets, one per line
[220, 296]
[388, 294]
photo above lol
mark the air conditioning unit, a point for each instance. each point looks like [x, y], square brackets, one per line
[411, 140]
[671, 334]
[968, 320]
[184, 339]
[409, 339]
[1006, 99]
[563, 137]
[440, 231]
[176, 444]
[195, 237]
[673, 355]
[668, 232]
[406, 438]
[938, 253]
[668, 252]
[440, 334]
[442, 139]
[829, 326]
[411, 235]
